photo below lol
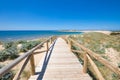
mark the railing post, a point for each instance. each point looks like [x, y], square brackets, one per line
[47, 46]
[51, 40]
[70, 44]
[67, 40]
[32, 64]
[85, 63]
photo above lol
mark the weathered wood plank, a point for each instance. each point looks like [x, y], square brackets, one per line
[61, 64]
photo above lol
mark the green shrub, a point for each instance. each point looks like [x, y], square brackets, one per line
[119, 65]
[98, 63]
[8, 44]
[3, 55]
[21, 42]
[115, 77]
[101, 51]
[7, 76]
[75, 48]
[29, 45]
[9, 53]
[24, 48]
[12, 52]
[98, 42]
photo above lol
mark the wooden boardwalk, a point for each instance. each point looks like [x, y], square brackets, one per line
[59, 64]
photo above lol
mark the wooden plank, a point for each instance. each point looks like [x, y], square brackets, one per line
[61, 64]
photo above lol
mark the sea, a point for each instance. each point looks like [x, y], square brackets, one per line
[31, 34]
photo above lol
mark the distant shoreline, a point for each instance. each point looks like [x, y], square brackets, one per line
[87, 31]
[30, 35]
[100, 31]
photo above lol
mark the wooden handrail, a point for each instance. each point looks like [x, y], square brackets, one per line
[77, 51]
[17, 76]
[40, 52]
[97, 57]
[85, 63]
[98, 73]
[8, 67]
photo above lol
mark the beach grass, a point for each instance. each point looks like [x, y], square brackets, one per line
[99, 43]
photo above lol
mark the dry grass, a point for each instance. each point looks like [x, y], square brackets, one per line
[98, 43]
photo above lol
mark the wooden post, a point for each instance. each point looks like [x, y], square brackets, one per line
[98, 58]
[67, 40]
[70, 44]
[47, 45]
[85, 63]
[8, 67]
[32, 64]
[51, 40]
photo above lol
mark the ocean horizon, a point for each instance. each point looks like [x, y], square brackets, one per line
[31, 34]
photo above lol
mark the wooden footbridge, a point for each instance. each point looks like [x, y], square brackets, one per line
[59, 63]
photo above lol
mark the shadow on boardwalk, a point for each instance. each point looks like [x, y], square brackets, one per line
[45, 63]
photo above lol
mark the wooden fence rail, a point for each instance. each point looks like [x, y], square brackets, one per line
[28, 56]
[88, 54]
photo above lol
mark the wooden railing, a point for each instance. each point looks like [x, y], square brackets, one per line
[87, 58]
[28, 56]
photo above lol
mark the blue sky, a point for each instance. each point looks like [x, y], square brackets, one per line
[59, 14]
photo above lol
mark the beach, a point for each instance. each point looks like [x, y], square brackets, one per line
[100, 31]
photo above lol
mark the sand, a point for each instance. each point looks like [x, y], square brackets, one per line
[113, 56]
[100, 31]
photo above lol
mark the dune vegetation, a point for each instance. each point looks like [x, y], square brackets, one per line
[107, 46]
[11, 50]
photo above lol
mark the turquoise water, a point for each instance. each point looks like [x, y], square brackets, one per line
[25, 35]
